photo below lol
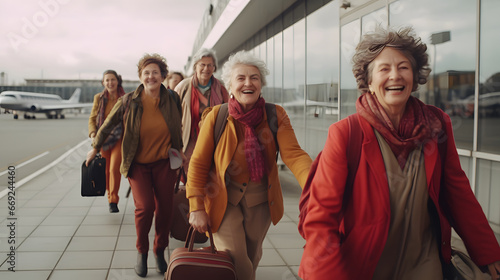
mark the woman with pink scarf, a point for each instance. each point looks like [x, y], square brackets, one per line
[198, 92]
[233, 186]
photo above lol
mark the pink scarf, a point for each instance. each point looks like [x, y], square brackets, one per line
[418, 124]
[254, 151]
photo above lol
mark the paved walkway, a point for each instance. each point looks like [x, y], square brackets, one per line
[60, 235]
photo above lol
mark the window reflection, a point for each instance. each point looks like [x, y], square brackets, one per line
[278, 68]
[487, 189]
[374, 19]
[294, 76]
[268, 90]
[349, 38]
[453, 62]
[489, 79]
[322, 75]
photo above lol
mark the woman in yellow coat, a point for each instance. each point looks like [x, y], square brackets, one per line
[239, 195]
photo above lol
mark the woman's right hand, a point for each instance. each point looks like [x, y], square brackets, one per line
[90, 156]
[199, 220]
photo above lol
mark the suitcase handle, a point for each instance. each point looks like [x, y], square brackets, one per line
[190, 239]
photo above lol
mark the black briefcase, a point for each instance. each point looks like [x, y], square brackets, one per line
[94, 177]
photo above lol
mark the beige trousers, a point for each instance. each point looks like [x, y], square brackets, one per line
[242, 233]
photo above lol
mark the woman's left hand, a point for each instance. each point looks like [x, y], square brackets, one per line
[494, 269]
[90, 156]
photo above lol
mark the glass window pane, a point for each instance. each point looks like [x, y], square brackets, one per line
[452, 58]
[349, 38]
[268, 91]
[294, 76]
[488, 189]
[373, 19]
[489, 79]
[278, 68]
[322, 75]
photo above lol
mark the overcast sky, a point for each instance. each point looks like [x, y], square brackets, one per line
[71, 39]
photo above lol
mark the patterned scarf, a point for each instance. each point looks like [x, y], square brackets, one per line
[418, 124]
[254, 151]
[217, 94]
[116, 133]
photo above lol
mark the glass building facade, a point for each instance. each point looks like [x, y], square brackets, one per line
[308, 48]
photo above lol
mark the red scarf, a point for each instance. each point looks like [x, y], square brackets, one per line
[418, 124]
[254, 151]
[218, 95]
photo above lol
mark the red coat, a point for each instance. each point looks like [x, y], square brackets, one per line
[349, 247]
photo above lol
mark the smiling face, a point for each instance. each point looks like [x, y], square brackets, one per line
[391, 79]
[246, 85]
[205, 68]
[151, 77]
[110, 82]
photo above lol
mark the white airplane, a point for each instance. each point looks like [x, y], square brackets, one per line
[51, 105]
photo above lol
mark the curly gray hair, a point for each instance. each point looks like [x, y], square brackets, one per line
[245, 58]
[404, 40]
[204, 53]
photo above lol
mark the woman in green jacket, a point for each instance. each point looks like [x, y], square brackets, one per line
[152, 126]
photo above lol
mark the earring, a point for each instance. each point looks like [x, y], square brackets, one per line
[231, 96]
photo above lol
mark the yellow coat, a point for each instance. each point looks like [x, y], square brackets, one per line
[206, 185]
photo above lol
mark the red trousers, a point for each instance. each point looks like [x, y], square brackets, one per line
[113, 158]
[153, 190]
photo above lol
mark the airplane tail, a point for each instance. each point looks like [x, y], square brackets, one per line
[75, 98]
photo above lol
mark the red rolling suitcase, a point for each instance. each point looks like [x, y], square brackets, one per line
[200, 263]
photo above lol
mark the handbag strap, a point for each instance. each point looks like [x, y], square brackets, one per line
[177, 183]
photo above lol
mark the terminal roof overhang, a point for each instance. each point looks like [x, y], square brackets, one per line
[254, 16]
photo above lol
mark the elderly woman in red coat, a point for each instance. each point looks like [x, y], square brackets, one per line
[409, 190]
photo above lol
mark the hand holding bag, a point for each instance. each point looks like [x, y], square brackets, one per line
[200, 263]
[180, 223]
[94, 177]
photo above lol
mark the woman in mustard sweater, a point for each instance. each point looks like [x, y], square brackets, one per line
[152, 125]
[239, 195]
[111, 150]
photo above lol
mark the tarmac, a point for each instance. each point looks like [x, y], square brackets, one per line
[49, 231]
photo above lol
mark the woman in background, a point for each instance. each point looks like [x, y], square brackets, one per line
[198, 92]
[173, 79]
[111, 149]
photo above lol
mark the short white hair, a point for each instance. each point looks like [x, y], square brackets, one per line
[244, 58]
[204, 53]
